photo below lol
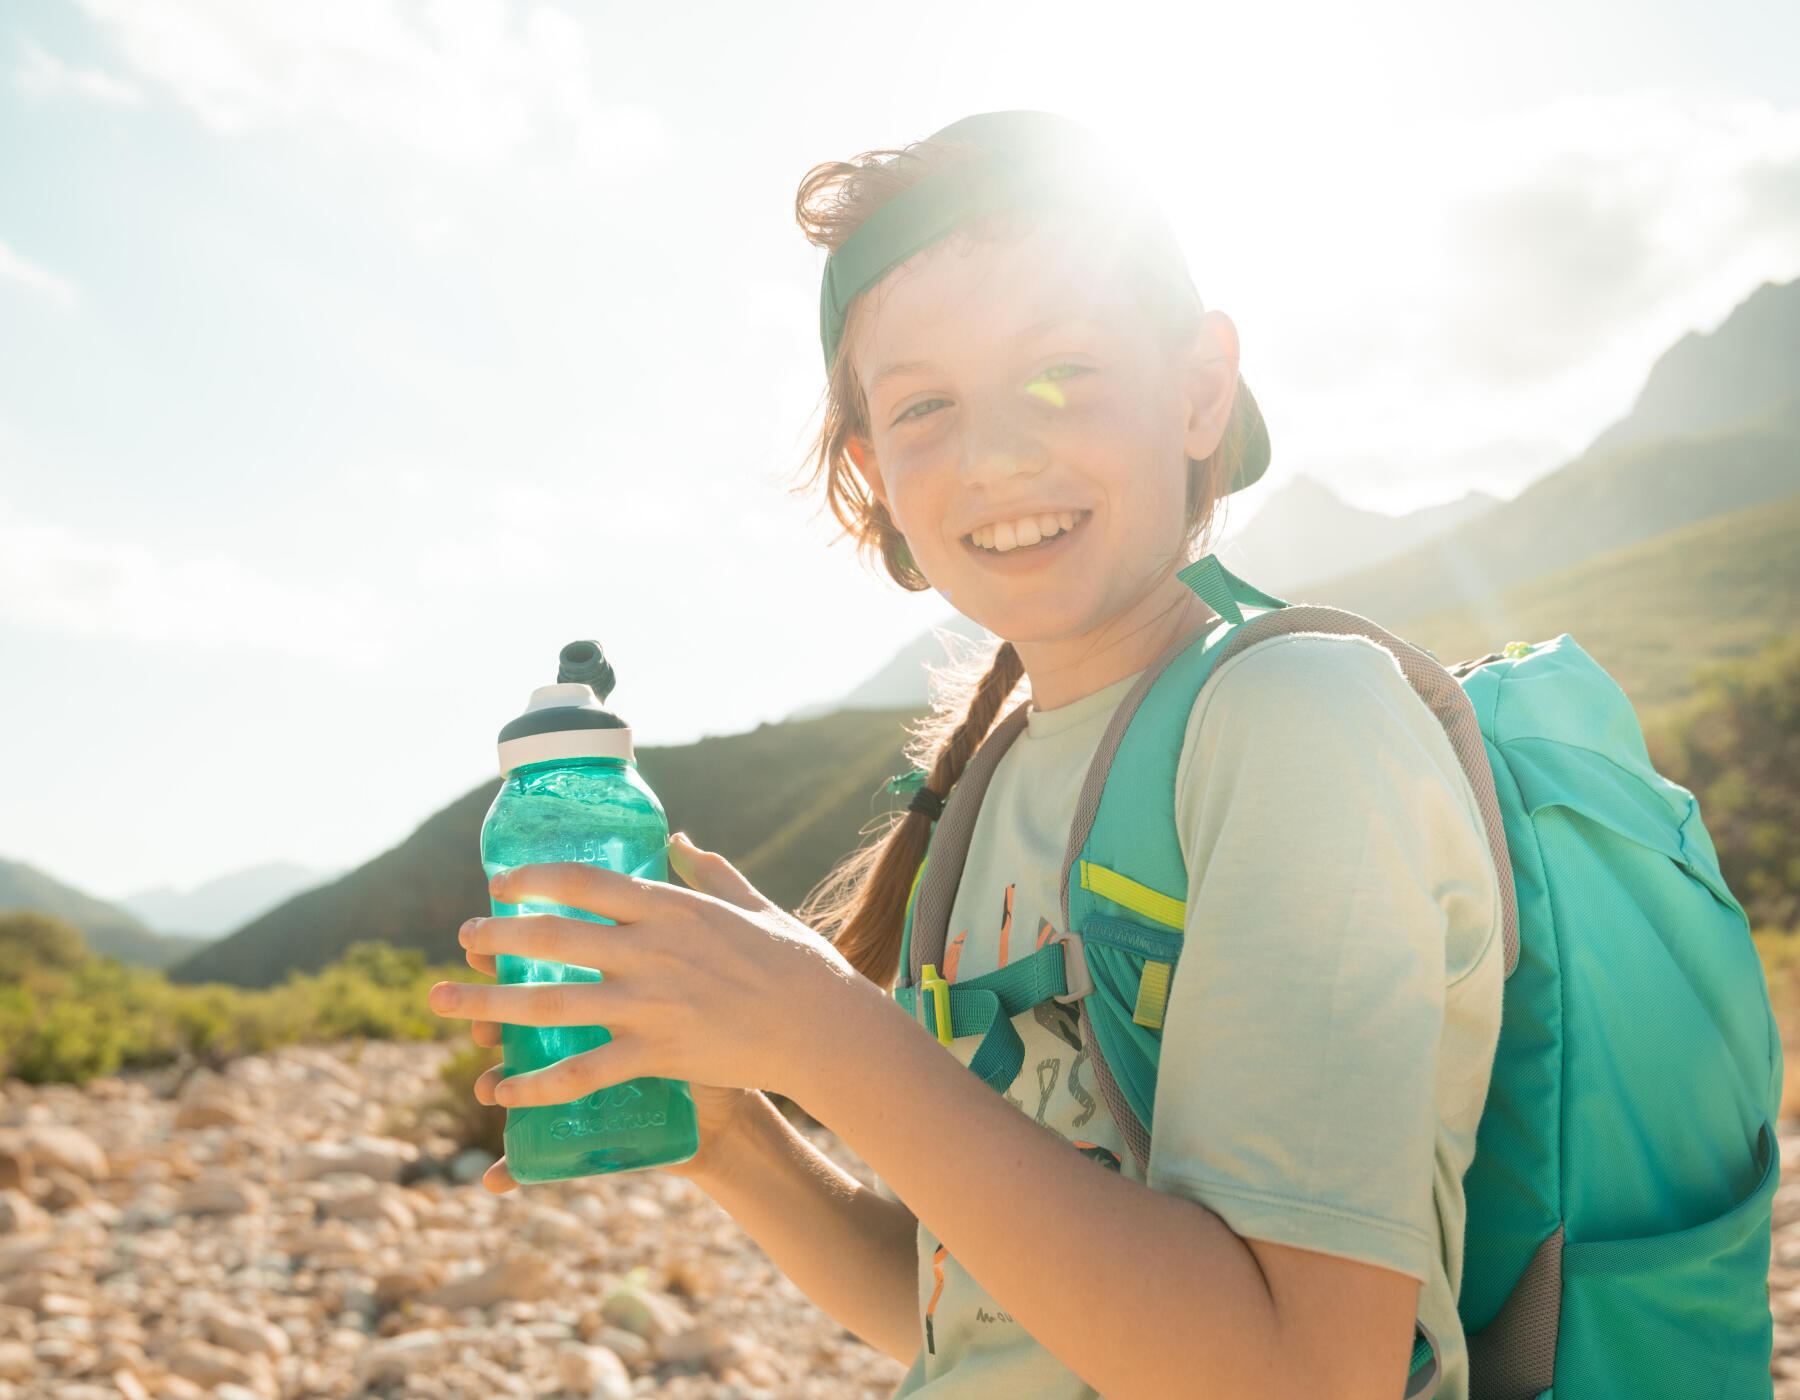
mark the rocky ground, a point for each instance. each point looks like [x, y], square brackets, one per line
[269, 1233]
[294, 1229]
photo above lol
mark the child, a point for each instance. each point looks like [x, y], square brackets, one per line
[1030, 411]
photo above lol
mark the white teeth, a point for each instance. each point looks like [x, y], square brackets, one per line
[1007, 535]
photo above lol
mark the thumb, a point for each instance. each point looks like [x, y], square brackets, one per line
[710, 873]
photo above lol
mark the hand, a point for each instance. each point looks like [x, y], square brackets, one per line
[715, 985]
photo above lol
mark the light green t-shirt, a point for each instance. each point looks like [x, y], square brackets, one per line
[1331, 1024]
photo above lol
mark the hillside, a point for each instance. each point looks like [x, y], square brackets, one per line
[1589, 508]
[1652, 613]
[782, 802]
[107, 928]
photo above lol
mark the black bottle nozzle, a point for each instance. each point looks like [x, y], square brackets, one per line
[584, 663]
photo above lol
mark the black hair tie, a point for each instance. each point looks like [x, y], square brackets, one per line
[928, 802]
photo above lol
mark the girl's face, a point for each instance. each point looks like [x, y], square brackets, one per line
[1029, 433]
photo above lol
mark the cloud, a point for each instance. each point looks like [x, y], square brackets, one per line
[56, 579]
[1592, 219]
[458, 80]
[17, 268]
[43, 76]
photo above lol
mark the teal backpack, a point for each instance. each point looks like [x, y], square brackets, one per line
[1620, 1198]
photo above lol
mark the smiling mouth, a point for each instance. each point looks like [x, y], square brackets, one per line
[1075, 520]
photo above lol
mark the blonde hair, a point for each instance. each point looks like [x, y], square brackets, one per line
[861, 904]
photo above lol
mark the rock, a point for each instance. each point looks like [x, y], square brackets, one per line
[593, 1372]
[174, 1387]
[407, 1281]
[129, 1386]
[219, 1193]
[632, 1349]
[372, 1204]
[15, 1167]
[65, 1189]
[702, 1346]
[523, 1276]
[377, 1157]
[209, 1365]
[211, 1110]
[396, 1358]
[242, 1333]
[645, 1313]
[549, 1226]
[57, 1145]
[17, 1322]
[16, 1361]
[470, 1165]
[19, 1214]
[45, 1299]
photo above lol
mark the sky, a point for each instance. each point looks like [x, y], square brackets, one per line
[356, 355]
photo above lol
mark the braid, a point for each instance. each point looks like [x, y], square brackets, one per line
[861, 904]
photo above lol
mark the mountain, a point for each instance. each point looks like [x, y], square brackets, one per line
[1305, 532]
[107, 928]
[1626, 486]
[1706, 382]
[781, 802]
[901, 681]
[220, 905]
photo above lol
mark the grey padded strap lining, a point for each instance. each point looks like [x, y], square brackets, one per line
[1514, 1356]
[1448, 702]
[950, 845]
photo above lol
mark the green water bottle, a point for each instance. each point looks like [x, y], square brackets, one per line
[572, 792]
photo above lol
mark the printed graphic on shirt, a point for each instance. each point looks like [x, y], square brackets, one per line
[1054, 1087]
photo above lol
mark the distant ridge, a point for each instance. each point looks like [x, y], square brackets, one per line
[221, 904]
[108, 929]
[1306, 532]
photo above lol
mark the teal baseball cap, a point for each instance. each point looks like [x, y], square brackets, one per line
[1021, 159]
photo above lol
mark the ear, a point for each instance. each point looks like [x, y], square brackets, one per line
[1209, 380]
[862, 457]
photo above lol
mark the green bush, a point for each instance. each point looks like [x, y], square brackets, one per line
[1736, 745]
[67, 1015]
[32, 942]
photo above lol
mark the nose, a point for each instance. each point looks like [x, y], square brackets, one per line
[1000, 440]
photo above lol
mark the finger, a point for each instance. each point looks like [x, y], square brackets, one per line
[568, 1079]
[531, 1003]
[482, 962]
[710, 873]
[485, 1083]
[551, 938]
[485, 1033]
[498, 1179]
[609, 893]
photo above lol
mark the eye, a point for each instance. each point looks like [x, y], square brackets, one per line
[913, 410]
[1042, 385]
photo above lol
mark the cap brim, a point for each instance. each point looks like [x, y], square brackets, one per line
[1248, 428]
